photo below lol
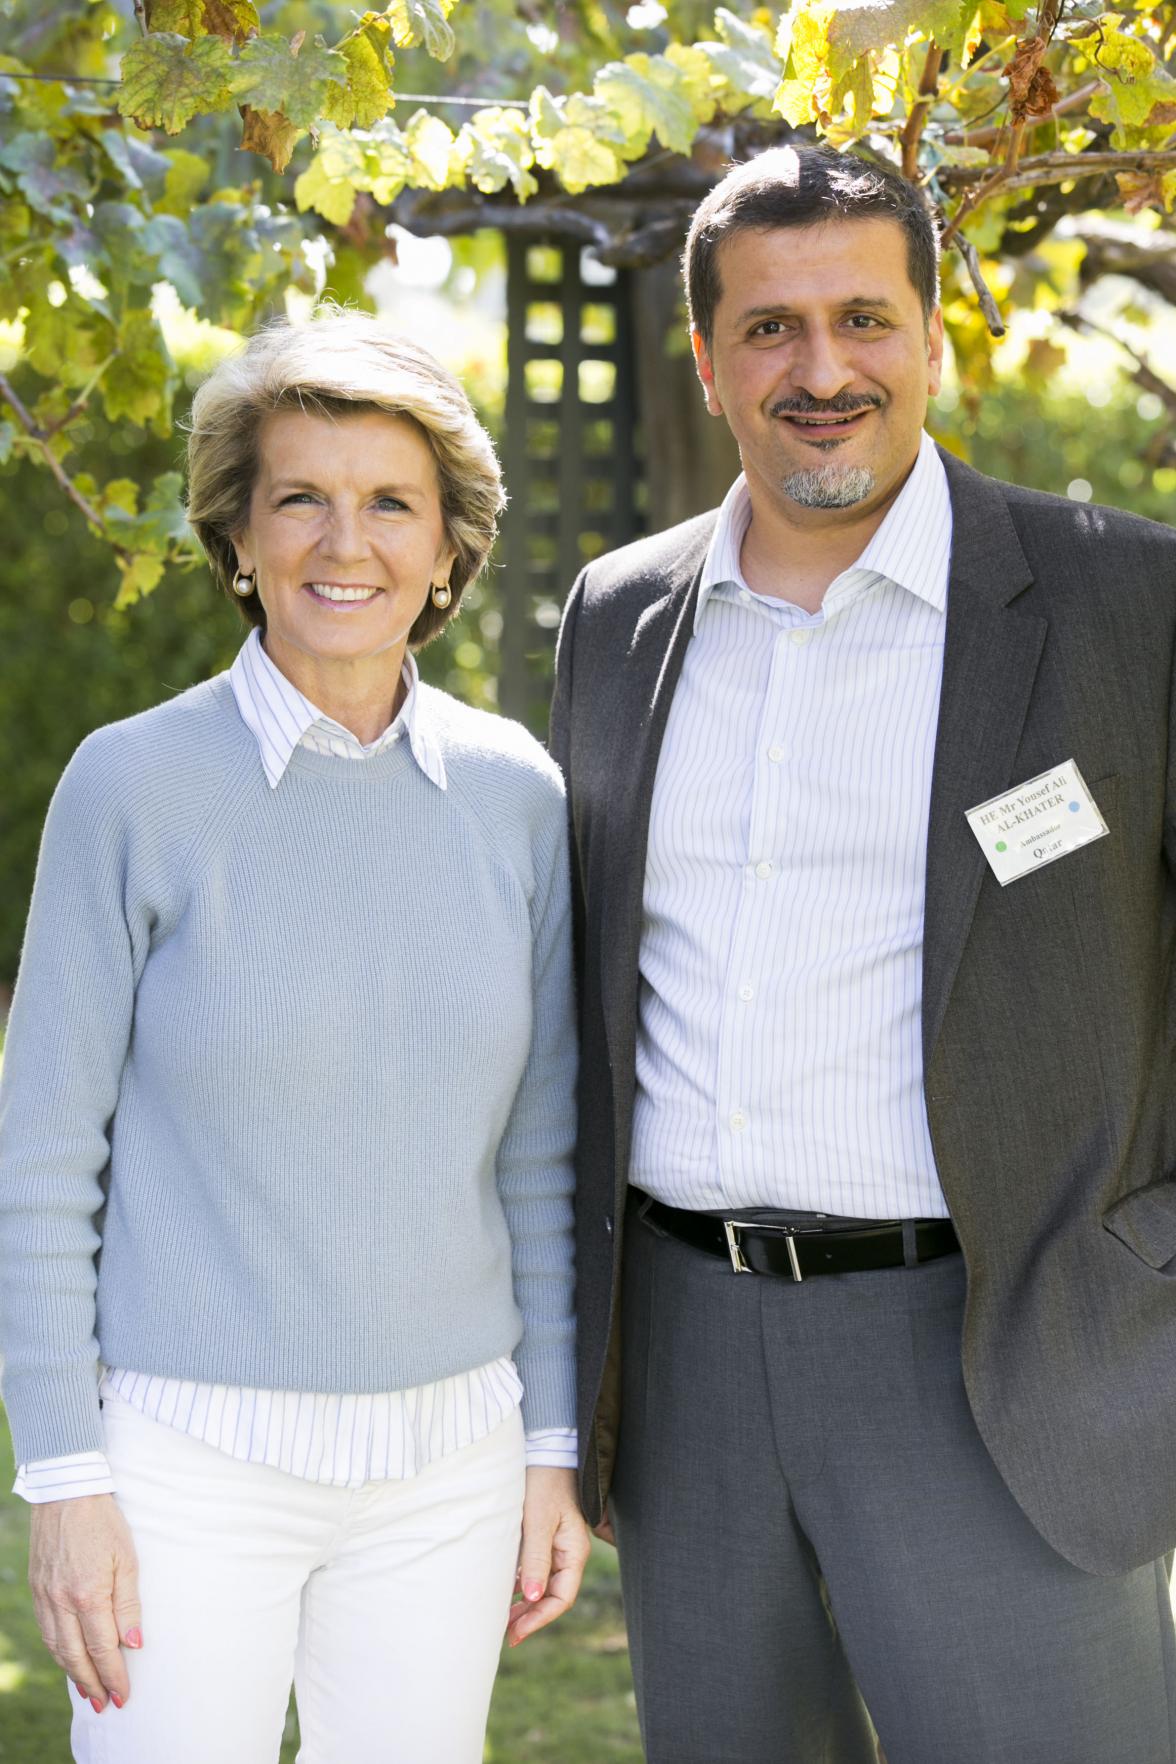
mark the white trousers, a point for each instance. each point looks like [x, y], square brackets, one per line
[385, 1605]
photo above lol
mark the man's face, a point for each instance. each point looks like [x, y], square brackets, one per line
[821, 361]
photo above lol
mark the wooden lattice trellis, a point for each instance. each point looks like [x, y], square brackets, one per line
[571, 450]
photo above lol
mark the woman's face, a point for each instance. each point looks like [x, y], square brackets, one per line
[344, 533]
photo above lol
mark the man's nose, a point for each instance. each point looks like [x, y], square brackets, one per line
[819, 366]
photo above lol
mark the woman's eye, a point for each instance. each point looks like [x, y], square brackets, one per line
[392, 502]
[297, 496]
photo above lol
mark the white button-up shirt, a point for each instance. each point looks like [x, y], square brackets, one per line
[779, 1057]
[344, 1440]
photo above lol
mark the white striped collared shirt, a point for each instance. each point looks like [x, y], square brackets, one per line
[779, 1058]
[343, 1440]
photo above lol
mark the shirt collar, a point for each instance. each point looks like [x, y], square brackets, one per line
[912, 547]
[278, 715]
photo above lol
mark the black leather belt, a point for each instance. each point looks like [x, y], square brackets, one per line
[800, 1251]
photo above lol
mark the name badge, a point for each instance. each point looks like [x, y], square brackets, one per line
[1042, 819]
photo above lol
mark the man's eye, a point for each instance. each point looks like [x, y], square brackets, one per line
[863, 320]
[768, 328]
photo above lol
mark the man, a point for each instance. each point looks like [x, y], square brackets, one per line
[878, 1112]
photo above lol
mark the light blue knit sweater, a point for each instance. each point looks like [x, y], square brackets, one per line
[313, 1047]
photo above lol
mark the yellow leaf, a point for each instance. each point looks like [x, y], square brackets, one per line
[140, 574]
[794, 102]
[431, 144]
[333, 198]
[580, 161]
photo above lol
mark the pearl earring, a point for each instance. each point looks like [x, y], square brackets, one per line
[442, 595]
[244, 585]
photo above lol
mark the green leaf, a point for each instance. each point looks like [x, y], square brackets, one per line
[114, 144]
[140, 573]
[166, 81]
[270, 76]
[136, 384]
[66, 343]
[650, 97]
[423, 21]
[163, 521]
[51, 189]
[121, 494]
[187, 174]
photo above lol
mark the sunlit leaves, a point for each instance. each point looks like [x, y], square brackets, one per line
[166, 80]
[494, 151]
[423, 21]
[1139, 93]
[649, 96]
[363, 97]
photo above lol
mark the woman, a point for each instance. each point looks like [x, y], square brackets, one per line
[287, 1122]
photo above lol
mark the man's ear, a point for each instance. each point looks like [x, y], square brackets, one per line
[706, 372]
[935, 352]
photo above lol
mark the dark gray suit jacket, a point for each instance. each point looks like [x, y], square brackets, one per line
[1049, 1034]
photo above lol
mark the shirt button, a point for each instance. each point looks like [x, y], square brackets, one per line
[738, 1120]
[745, 596]
[775, 754]
[608, 1224]
[763, 869]
[801, 636]
[747, 993]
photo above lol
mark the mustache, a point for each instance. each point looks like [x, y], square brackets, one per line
[843, 405]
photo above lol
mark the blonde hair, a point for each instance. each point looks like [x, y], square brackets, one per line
[338, 363]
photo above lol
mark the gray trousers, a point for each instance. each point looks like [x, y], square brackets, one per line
[810, 1526]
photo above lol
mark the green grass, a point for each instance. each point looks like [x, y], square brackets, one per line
[564, 1697]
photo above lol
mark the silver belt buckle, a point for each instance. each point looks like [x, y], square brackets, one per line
[739, 1265]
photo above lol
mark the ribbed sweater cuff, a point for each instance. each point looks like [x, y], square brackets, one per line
[549, 1388]
[53, 1415]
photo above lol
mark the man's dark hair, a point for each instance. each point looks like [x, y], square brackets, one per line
[801, 186]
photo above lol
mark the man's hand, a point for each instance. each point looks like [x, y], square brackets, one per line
[555, 1547]
[85, 1581]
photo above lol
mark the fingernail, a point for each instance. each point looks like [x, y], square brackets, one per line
[533, 1590]
[81, 1693]
[133, 1638]
[116, 1699]
[96, 1705]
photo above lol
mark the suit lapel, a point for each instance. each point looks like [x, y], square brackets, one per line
[991, 655]
[651, 670]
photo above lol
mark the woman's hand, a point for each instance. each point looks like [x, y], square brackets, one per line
[555, 1547]
[85, 1581]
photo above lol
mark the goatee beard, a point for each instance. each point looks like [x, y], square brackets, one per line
[829, 486]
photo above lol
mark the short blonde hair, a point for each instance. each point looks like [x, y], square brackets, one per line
[337, 363]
